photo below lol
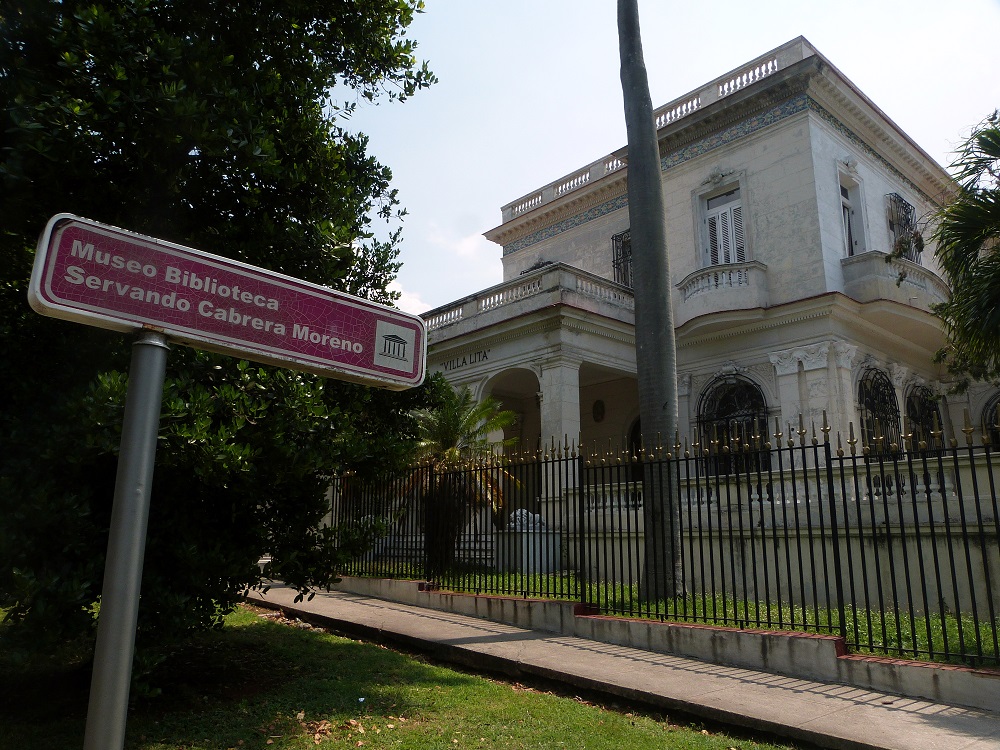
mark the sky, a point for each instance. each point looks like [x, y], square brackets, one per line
[529, 91]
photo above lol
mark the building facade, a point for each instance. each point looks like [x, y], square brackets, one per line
[795, 213]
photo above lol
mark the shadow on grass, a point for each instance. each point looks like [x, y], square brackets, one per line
[254, 681]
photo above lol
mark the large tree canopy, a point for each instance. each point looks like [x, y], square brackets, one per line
[968, 248]
[212, 124]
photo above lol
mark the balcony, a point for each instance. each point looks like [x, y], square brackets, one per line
[730, 286]
[547, 286]
[868, 277]
[675, 111]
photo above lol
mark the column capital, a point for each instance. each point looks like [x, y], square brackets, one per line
[844, 354]
[899, 374]
[560, 361]
[684, 384]
[785, 362]
[812, 357]
[815, 356]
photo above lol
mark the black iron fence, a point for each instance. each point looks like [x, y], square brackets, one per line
[893, 547]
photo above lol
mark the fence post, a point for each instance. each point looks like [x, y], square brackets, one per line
[834, 529]
[583, 578]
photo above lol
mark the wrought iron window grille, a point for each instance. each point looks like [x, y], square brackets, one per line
[621, 249]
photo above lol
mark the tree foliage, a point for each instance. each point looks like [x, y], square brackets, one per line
[968, 249]
[462, 473]
[459, 429]
[211, 124]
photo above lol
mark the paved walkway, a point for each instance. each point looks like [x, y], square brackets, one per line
[830, 716]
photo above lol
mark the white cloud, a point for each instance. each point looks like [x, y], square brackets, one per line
[409, 302]
[468, 247]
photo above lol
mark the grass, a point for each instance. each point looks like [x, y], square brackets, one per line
[262, 683]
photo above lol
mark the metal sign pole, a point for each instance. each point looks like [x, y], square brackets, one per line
[109, 688]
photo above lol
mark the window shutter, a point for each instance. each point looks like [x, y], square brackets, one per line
[713, 240]
[726, 249]
[740, 252]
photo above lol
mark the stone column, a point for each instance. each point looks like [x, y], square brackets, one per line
[786, 368]
[900, 377]
[815, 368]
[560, 396]
[684, 406]
[560, 418]
[844, 401]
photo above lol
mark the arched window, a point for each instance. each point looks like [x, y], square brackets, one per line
[879, 411]
[991, 418]
[923, 415]
[732, 409]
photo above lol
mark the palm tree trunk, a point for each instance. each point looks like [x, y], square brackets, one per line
[656, 356]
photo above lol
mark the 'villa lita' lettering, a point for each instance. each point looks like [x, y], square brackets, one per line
[467, 359]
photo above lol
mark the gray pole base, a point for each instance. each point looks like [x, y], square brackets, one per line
[109, 687]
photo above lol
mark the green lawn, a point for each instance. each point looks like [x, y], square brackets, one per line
[261, 683]
[940, 637]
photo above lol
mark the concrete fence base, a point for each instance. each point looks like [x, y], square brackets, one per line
[821, 658]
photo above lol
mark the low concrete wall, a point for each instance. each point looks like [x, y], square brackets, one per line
[801, 655]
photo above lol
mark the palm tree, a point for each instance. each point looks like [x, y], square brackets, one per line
[459, 429]
[656, 349]
[968, 248]
[461, 470]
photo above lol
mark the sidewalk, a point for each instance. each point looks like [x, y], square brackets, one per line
[827, 715]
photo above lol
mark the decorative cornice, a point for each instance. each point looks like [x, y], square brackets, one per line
[734, 127]
[825, 88]
[760, 325]
[607, 192]
[712, 133]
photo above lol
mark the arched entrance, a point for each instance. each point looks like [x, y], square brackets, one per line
[517, 389]
[878, 411]
[923, 414]
[732, 409]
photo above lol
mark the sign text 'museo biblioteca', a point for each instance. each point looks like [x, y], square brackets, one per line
[111, 278]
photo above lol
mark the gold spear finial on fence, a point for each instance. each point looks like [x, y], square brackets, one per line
[778, 434]
[987, 438]
[826, 428]
[935, 440]
[968, 429]
[879, 437]
[851, 440]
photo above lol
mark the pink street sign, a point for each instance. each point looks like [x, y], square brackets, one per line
[110, 278]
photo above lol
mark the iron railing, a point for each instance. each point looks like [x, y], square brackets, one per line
[895, 548]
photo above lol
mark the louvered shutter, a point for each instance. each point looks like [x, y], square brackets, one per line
[739, 253]
[713, 240]
[724, 220]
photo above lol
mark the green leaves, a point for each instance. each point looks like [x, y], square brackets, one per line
[458, 428]
[206, 123]
[968, 249]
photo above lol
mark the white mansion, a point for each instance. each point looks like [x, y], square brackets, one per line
[786, 189]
